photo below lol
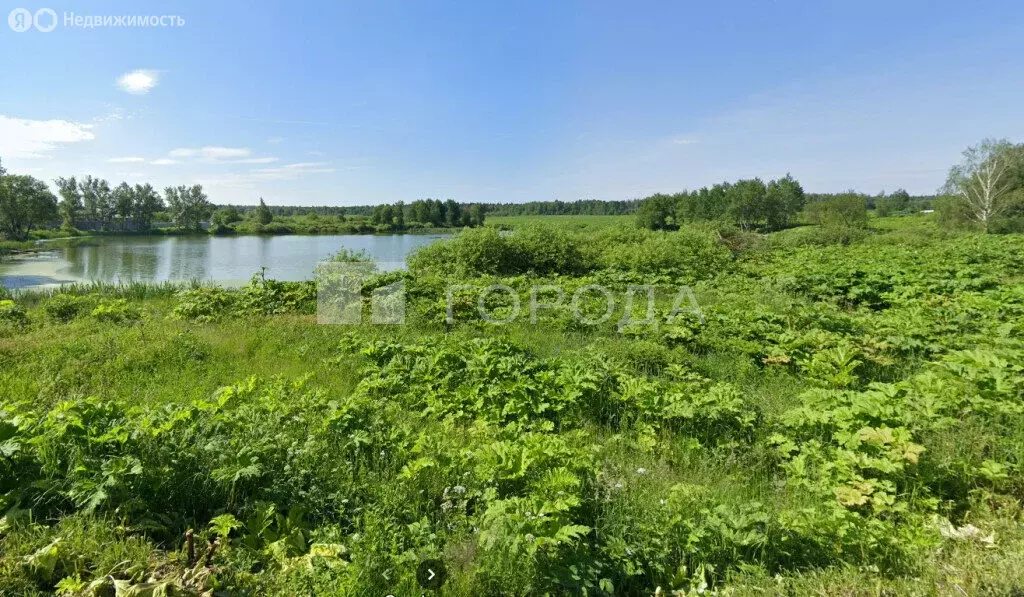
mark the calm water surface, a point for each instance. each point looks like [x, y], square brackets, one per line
[228, 260]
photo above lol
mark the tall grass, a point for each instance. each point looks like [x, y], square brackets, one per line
[133, 290]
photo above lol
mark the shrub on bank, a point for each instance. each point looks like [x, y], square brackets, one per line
[688, 254]
[546, 250]
[116, 311]
[260, 297]
[474, 251]
[66, 307]
[12, 313]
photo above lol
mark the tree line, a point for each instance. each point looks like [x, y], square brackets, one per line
[755, 205]
[92, 203]
[26, 203]
[899, 202]
[583, 207]
[750, 204]
[985, 191]
[427, 213]
[586, 207]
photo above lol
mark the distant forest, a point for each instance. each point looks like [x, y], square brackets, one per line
[585, 207]
[589, 207]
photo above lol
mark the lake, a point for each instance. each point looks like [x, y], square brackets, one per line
[227, 260]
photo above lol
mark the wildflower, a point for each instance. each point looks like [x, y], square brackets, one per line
[641, 471]
[529, 537]
[662, 502]
[618, 486]
[459, 489]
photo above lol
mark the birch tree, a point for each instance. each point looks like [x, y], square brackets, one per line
[70, 200]
[984, 183]
[188, 206]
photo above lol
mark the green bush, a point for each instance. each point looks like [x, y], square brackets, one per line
[687, 254]
[473, 251]
[259, 297]
[1008, 225]
[116, 311]
[12, 313]
[547, 250]
[346, 255]
[66, 307]
[845, 211]
[821, 236]
[205, 304]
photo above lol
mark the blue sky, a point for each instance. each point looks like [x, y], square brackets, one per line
[345, 103]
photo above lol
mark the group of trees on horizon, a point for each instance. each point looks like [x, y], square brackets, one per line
[91, 203]
[26, 203]
[427, 213]
[750, 204]
[984, 191]
[582, 207]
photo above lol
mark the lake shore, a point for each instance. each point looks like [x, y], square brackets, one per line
[223, 260]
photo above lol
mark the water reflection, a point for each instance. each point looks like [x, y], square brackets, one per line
[228, 260]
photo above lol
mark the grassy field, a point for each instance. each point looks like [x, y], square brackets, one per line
[844, 416]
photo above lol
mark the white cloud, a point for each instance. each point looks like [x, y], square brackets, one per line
[260, 175]
[291, 171]
[164, 162]
[683, 141]
[138, 82]
[22, 138]
[267, 160]
[116, 114]
[275, 140]
[211, 153]
[126, 160]
[220, 155]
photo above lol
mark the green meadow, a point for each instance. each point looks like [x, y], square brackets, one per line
[840, 414]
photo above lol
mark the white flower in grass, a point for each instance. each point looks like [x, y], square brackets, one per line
[641, 471]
